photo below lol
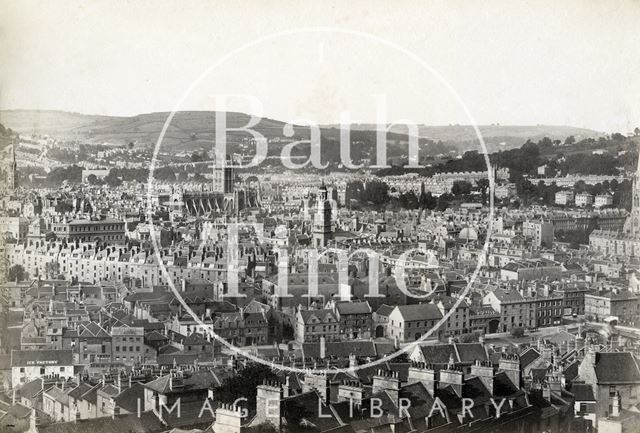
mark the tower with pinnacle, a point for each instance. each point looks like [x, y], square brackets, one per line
[11, 169]
[322, 222]
[632, 225]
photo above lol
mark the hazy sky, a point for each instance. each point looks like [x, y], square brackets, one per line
[511, 62]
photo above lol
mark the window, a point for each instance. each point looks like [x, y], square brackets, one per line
[612, 391]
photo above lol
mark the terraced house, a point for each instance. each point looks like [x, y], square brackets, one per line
[314, 325]
[411, 322]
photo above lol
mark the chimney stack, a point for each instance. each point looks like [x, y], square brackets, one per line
[353, 361]
[615, 405]
[387, 381]
[351, 391]
[484, 371]
[546, 391]
[268, 404]
[228, 419]
[510, 364]
[286, 388]
[451, 377]
[323, 348]
[420, 372]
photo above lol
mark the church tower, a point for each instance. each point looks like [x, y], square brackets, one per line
[322, 223]
[11, 169]
[223, 176]
[632, 225]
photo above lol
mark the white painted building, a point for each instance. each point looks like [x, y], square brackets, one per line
[27, 365]
[584, 199]
[564, 197]
[603, 200]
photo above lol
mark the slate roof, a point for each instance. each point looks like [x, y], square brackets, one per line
[385, 310]
[508, 295]
[616, 367]
[561, 337]
[58, 395]
[528, 356]
[470, 352]
[384, 348]
[30, 389]
[128, 398]
[92, 329]
[110, 390]
[502, 385]
[304, 410]
[156, 336]
[19, 411]
[582, 392]
[341, 349]
[571, 371]
[438, 353]
[198, 380]
[324, 315]
[23, 358]
[416, 312]
[360, 419]
[195, 338]
[353, 307]
[182, 358]
[145, 423]
[80, 390]
[538, 374]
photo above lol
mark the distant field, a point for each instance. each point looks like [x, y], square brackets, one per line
[195, 130]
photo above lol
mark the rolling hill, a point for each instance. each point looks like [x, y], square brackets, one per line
[497, 137]
[195, 130]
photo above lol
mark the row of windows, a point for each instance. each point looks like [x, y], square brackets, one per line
[97, 228]
[124, 358]
[124, 348]
[549, 312]
[105, 237]
[42, 370]
[550, 321]
[138, 339]
[324, 328]
[355, 322]
[542, 304]
[418, 324]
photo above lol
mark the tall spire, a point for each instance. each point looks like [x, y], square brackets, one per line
[632, 225]
[11, 170]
